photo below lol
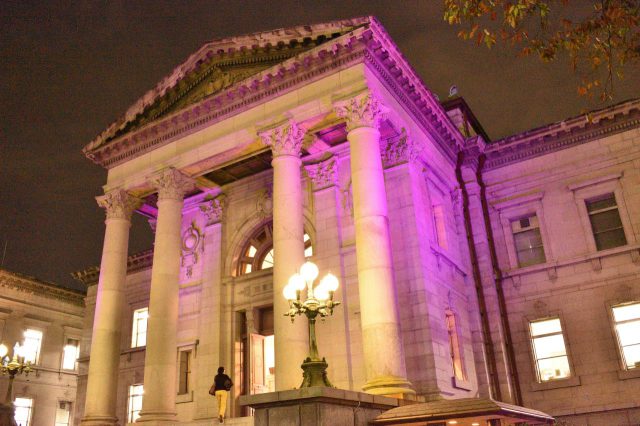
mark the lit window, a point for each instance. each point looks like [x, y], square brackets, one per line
[454, 346]
[23, 409]
[549, 350]
[63, 413]
[134, 404]
[526, 234]
[257, 255]
[70, 354]
[184, 372]
[139, 330]
[627, 323]
[441, 231]
[605, 222]
[31, 345]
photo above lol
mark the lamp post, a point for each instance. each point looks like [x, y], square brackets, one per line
[11, 365]
[319, 302]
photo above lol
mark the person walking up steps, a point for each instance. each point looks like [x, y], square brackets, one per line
[221, 387]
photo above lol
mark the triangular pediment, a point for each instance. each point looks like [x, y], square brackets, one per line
[220, 64]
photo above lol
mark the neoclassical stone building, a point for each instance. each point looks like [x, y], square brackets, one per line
[47, 320]
[468, 268]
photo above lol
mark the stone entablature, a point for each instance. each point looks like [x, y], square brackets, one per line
[369, 43]
[564, 134]
[23, 283]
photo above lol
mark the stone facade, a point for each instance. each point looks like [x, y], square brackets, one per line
[56, 312]
[373, 181]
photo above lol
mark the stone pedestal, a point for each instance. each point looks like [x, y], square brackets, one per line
[317, 406]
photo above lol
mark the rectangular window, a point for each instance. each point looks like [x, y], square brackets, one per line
[139, 330]
[526, 234]
[63, 414]
[184, 372]
[70, 354]
[134, 404]
[23, 409]
[605, 222]
[627, 324]
[441, 230]
[549, 350]
[31, 345]
[454, 346]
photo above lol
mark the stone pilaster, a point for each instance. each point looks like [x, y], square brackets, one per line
[100, 404]
[382, 341]
[291, 340]
[158, 404]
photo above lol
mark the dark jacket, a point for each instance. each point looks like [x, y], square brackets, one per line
[220, 380]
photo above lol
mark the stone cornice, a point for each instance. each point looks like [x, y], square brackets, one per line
[135, 262]
[26, 284]
[565, 134]
[368, 43]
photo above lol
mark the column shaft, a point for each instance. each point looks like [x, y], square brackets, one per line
[102, 381]
[291, 340]
[158, 403]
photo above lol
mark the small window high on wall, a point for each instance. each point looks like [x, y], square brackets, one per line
[627, 325]
[139, 328]
[549, 350]
[605, 222]
[528, 241]
[455, 348]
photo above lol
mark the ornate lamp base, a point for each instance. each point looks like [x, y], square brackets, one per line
[315, 373]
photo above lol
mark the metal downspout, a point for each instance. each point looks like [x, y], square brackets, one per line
[504, 318]
[487, 346]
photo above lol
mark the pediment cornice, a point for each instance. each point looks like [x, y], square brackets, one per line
[369, 44]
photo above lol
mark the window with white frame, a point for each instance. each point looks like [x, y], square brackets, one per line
[63, 413]
[31, 345]
[139, 329]
[627, 325]
[134, 402]
[605, 222]
[455, 349]
[528, 241]
[70, 354]
[549, 350]
[23, 410]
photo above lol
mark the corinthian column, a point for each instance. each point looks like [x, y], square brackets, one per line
[382, 343]
[158, 404]
[100, 404]
[291, 341]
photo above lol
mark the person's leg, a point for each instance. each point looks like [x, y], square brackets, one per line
[223, 403]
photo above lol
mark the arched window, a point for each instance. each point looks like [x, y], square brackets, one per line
[257, 253]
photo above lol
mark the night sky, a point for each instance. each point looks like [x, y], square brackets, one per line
[67, 70]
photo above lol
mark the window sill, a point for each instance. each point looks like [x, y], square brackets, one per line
[184, 398]
[461, 384]
[556, 384]
[629, 374]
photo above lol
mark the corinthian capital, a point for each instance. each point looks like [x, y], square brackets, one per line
[213, 209]
[323, 174]
[119, 204]
[284, 140]
[363, 110]
[400, 150]
[172, 184]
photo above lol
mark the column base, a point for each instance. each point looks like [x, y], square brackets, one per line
[99, 421]
[397, 387]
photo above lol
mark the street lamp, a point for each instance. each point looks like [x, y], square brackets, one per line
[319, 301]
[12, 365]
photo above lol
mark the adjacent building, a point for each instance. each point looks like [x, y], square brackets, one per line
[468, 268]
[47, 321]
